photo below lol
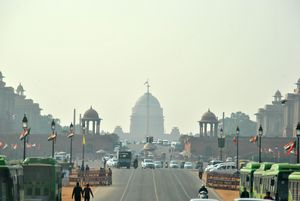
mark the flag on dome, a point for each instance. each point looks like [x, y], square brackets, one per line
[24, 133]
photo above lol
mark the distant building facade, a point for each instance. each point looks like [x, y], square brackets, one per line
[13, 106]
[281, 117]
[138, 120]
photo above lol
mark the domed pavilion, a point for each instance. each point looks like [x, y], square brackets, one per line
[208, 121]
[147, 118]
[91, 116]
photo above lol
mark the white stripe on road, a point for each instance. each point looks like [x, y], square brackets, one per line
[155, 188]
[180, 184]
[125, 190]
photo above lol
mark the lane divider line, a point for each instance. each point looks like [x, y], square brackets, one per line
[180, 184]
[155, 188]
[127, 185]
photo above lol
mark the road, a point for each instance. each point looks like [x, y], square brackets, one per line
[151, 185]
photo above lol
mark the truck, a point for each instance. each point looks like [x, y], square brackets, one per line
[124, 159]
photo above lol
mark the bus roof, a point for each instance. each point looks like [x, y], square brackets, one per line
[295, 176]
[250, 167]
[39, 160]
[263, 167]
[282, 167]
[2, 162]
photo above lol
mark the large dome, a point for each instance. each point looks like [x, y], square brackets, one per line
[209, 117]
[143, 100]
[91, 114]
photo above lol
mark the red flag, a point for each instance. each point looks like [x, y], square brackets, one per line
[28, 145]
[14, 146]
[234, 140]
[1, 144]
[290, 146]
[253, 139]
[24, 133]
[4, 147]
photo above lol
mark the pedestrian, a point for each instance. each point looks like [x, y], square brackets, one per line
[77, 191]
[109, 176]
[87, 168]
[87, 191]
[268, 196]
[245, 193]
[104, 162]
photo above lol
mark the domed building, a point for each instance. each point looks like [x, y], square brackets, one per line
[91, 116]
[208, 121]
[147, 106]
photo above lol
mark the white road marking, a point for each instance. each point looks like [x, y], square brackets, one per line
[180, 184]
[155, 188]
[125, 190]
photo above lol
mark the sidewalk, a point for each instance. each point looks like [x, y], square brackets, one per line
[227, 195]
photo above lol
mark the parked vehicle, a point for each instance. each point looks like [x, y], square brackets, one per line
[158, 164]
[112, 162]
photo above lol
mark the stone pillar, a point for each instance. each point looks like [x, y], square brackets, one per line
[216, 130]
[94, 126]
[205, 129]
[211, 134]
[201, 129]
[88, 127]
[98, 127]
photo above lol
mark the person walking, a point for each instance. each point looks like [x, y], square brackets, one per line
[77, 191]
[268, 196]
[109, 176]
[245, 193]
[87, 191]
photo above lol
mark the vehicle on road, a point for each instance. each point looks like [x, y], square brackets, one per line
[157, 164]
[249, 199]
[11, 180]
[200, 199]
[212, 164]
[294, 186]
[124, 159]
[148, 163]
[112, 162]
[203, 195]
[246, 177]
[42, 179]
[224, 168]
[188, 165]
[174, 164]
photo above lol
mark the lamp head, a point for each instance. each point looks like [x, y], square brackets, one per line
[237, 130]
[53, 125]
[298, 129]
[25, 122]
[71, 127]
[260, 131]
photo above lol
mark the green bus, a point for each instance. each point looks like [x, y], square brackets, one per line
[257, 180]
[11, 181]
[275, 180]
[294, 186]
[246, 176]
[42, 179]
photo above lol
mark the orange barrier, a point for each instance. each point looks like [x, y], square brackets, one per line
[91, 177]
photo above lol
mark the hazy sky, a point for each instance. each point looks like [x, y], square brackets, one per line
[226, 55]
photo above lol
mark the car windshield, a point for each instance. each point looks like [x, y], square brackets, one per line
[148, 100]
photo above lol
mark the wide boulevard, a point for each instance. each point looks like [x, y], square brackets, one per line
[151, 185]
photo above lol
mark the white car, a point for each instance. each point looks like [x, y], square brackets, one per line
[157, 164]
[113, 162]
[148, 163]
[249, 199]
[174, 164]
[211, 164]
[224, 167]
[188, 165]
[199, 199]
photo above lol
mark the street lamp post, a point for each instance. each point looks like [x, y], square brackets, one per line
[298, 136]
[260, 133]
[53, 132]
[83, 143]
[237, 147]
[71, 141]
[221, 143]
[25, 126]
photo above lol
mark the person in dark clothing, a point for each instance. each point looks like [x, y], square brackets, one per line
[203, 189]
[87, 168]
[109, 176]
[77, 191]
[245, 193]
[87, 191]
[268, 196]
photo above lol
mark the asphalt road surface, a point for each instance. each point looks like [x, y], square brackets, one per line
[151, 185]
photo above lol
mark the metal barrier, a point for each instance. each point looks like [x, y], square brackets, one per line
[224, 181]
